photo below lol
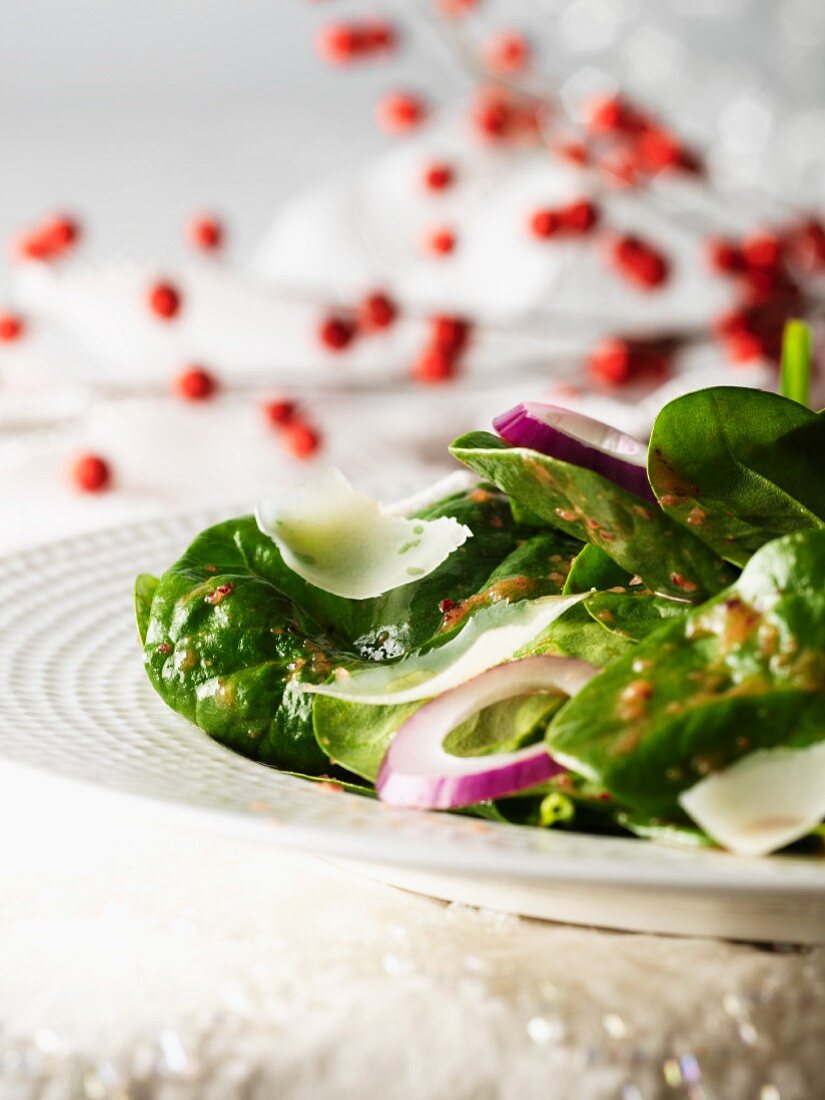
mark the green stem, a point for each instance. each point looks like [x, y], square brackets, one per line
[796, 362]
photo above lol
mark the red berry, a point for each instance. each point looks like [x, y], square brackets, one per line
[457, 7]
[438, 177]
[449, 333]
[762, 250]
[164, 301]
[400, 112]
[743, 347]
[377, 311]
[339, 43]
[617, 361]
[724, 256]
[657, 150]
[506, 52]
[440, 241]
[579, 217]
[544, 223]
[30, 245]
[195, 384]
[807, 242]
[59, 233]
[301, 440]
[640, 262]
[610, 362]
[611, 114]
[336, 333]
[574, 152]
[603, 114]
[205, 232]
[91, 473]
[435, 364]
[379, 35]
[280, 412]
[12, 327]
[492, 116]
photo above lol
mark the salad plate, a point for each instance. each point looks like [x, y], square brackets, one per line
[75, 701]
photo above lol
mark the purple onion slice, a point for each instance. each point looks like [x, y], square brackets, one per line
[418, 772]
[579, 440]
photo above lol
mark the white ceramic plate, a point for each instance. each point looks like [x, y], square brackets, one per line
[74, 700]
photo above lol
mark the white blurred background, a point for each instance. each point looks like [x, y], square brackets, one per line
[134, 113]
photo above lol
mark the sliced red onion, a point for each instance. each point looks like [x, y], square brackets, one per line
[579, 440]
[418, 772]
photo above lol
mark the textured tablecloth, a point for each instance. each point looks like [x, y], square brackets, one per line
[142, 959]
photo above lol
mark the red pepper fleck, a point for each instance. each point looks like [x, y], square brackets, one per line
[205, 232]
[446, 605]
[195, 384]
[164, 648]
[336, 333]
[377, 311]
[219, 594]
[12, 327]
[280, 412]
[91, 473]
[330, 785]
[438, 176]
[164, 301]
[682, 582]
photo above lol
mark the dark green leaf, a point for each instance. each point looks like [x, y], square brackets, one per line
[145, 586]
[594, 569]
[745, 671]
[633, 615]
[739, 467]
[577, 634]
[635, 534]
[356, 735]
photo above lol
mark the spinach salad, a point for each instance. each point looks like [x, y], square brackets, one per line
[577, 632]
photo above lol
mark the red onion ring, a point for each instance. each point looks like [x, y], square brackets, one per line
[579, 440]
[418, 772]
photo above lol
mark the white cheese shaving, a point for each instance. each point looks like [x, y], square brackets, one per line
[344, 542]
[493, 635]
[762, 802]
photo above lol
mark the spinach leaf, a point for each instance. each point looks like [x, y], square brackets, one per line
[594, 569]
[743, 672]
[224, 647]
[538, 566]
[739, 467]
[577, 634]
[632, 615]
[636, 535]
[356, 735]
[145, 587]
[679, 833]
